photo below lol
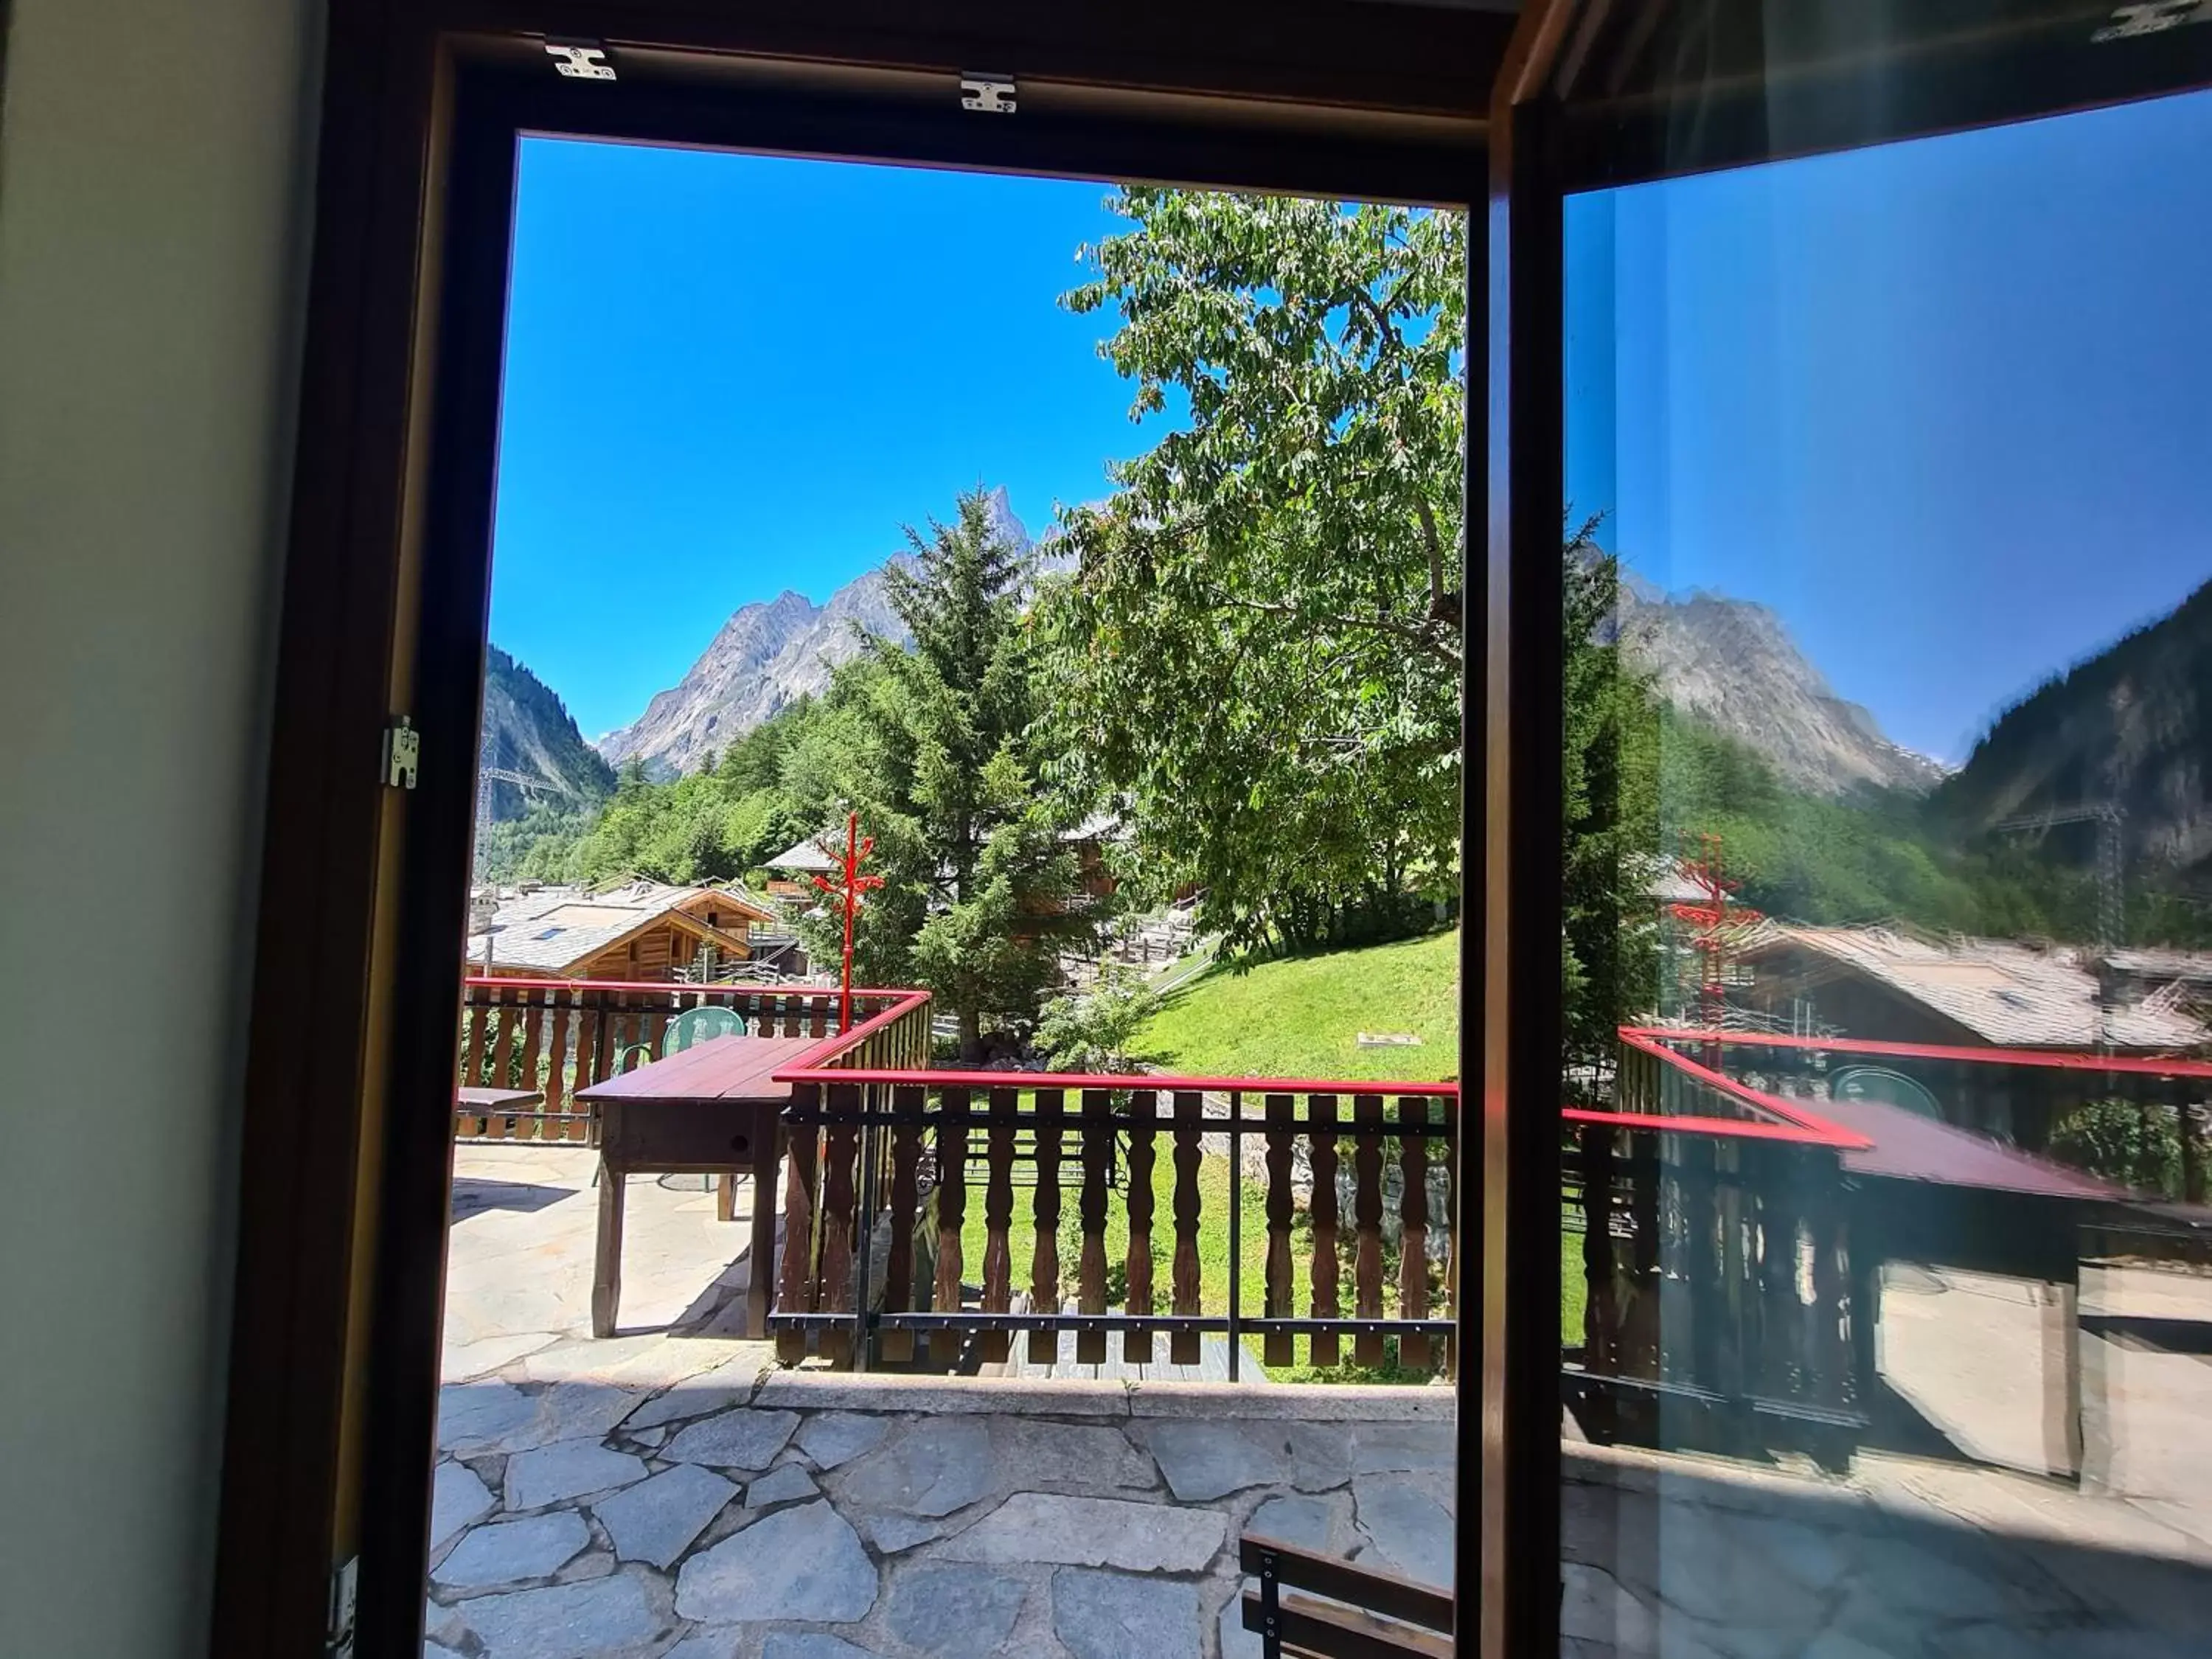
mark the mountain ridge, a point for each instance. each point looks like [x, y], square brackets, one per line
[527, 729]
[2125, 727]
[768, 655]
[1733, 665]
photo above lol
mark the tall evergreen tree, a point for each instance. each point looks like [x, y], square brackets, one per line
[981, 894]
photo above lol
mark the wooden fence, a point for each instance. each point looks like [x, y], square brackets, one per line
[555, 1036]
[903, 1155]
[1721, 1298]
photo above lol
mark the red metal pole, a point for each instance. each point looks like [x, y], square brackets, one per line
[852, 902]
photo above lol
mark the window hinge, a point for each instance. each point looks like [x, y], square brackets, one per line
[579, 60]
[402, 751]
[993, 94]
[345, 1584]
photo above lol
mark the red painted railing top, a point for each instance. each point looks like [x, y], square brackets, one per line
[810, 1070]
[1809, 1129]
[830, 1048]
[1818, 1132]
[672, 986]
[2069, 1060]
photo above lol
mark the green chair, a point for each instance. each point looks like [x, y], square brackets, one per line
[693, 1025]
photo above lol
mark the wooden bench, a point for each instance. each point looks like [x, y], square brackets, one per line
[1370, 1614]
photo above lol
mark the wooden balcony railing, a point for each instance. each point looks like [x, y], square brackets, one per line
[1718, 1277]
[555, 1036]
[893, 1159]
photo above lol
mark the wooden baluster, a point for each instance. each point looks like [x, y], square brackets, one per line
[1450, 1359]
[1185, 1287]
[1739, 1298]
[998, 1217]
[1414, 1217]
[1327, 1298]
[590, 1019]
[1637, 1347]
[2192, 1153]
[1601, 1315]
[1144, 1107]
[474, 1017]
[551, 1127]
[952, 1211]
[1278, 1348]
[819, 1026]
[502, 1064]
[1091, 1265]
[906, 1102]
[1367, 1224]
[794, 1290]
[840, 1144]
[621, 1027]
[1700, 1213]
[533, 1020]
[1044, 1258]
[1775, 1367]
[1836, 1339]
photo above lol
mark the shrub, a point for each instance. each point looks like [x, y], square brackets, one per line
[2122, 1141]
[1097, 1030]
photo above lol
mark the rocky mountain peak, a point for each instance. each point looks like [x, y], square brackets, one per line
[1732, 665]
[768, 654]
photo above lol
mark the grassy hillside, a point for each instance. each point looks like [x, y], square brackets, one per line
[1302, 1016]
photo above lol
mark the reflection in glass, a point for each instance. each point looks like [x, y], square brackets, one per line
[1887, 1258]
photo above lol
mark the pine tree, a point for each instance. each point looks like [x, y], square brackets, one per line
[981, 893]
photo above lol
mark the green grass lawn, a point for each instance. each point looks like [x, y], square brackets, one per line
[1213, 1179]
[1301, 1016]
[1212, 1233]
[1296, 1018]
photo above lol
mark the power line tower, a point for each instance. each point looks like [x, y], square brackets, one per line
[532, 784]
[2111, 896]
[2111, 870]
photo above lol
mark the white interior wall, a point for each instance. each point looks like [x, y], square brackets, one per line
[154, 165]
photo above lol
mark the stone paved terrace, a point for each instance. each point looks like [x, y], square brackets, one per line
[669, 1493]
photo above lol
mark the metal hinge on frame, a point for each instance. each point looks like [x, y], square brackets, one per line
[402, 753]
[993, 94]
[345, 1595]
[579, 60]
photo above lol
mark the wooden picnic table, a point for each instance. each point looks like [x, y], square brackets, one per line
[712, 1109]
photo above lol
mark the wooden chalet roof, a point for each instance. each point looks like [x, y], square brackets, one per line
[2002, 992]
[553, 929]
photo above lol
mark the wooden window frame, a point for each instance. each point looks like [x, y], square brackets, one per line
[333, 1379]
[334, 1354]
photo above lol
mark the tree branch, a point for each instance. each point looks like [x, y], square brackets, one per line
[1437, 611]
[1423, 633]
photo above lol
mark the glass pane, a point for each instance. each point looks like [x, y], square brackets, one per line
[954, 1114]
[1886, 1311]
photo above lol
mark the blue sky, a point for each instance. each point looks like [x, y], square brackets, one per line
[1945, 406]
[728, 375]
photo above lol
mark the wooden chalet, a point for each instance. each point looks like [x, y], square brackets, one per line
[1930, 1002]
[791, 872]
[640, 930]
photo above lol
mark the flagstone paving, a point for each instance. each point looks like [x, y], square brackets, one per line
[672, 1494]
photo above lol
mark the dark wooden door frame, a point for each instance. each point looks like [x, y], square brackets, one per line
[1513, 987]
[349, 1055]
[333, 1365]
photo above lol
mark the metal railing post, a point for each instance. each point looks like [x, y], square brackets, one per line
[869, 1134]
[1235, 1230]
